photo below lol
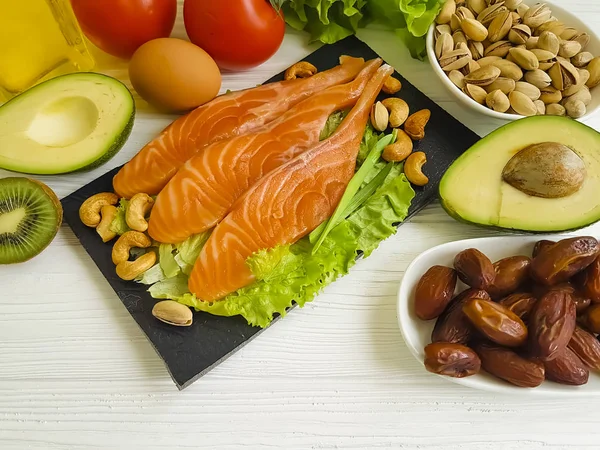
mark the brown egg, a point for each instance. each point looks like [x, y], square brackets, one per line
[174, 75]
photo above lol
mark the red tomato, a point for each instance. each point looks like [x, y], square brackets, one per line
[238, 34]
[119, 27]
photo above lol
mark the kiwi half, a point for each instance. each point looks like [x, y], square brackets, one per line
[30, 216]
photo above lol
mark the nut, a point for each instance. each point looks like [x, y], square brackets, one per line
[500, 26]
[415, 124]
[471, 67]
[453, 360]
[555, 109]
[522, 9]
[537, 15]
[563, 74]
[128, 270]
[524, 58]
[457, 78]
[575, 108]
[582, 95]
[528, 89]
[139, 207]
[379, 116]
[488, 14]
[500, 48]
[456, 59]
[520, 303]
[398, 111]
[505, 85]
[551, 324]
[413, 169]
[399, 150]
[483, 76]
[302, 69]
[477, 93]
[446, 12]
[549, 41]
[586, 347]
[550, 95]
[583, 38]
[509, 366]
[532, 43]
[538, 78]
[476, 5]
[511, 273]
[581, 59]
[463, 12]
[441, 29]
[543, 56]
[474, 30]
[593, 68]
[508, 69]
[458, 37]
[554, 26]
[89, 211]
[567, 368]
[474, 268]
[568, 33]
[540, 106]
[455, 21]
[476, 49]
[519, 34]
[568, 49]
[108, 213]
[127, 241]
[452, 325]
[516, 19]
[173, 313]
[496, 322]
[513, 4]
[522, 104]
[434, 291]
[393, 85]
[497, 101]
[486, 60]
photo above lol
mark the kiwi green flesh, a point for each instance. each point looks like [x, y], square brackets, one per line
[30, 215]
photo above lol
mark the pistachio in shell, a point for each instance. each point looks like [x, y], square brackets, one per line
[549, 41]
[537, 15]
[500, 26]
[458, 36]
[476, 5]
[472, 66]
[538, 78]
[477, 93]
[575, 108]
[500, 48]
[483, 76]
[519, 34]
[532, 42]
[446, 12]
[555, 109]
[455, 22]
[583, 95]
[568, 33]
[444, 44]
[568, 49]
[474, 30]
[508, 69]
[583, 77]
[528, 89]
[540, 106]
[476, 49]
[563, 74]
[488, 14]
[505, 85]
[516, 19]
[581, 59]
[594, 69]
[497, 101]
[513, 4]
[550, 95]
[524, 58]
[543, 55]
[547, 170]
[522, 104]
[456, 59]
[173, 313]
[522, 9]
[457, 78]
[583, 38]
[487, 60]
[554, 26]
[441, 29]
[463, 12]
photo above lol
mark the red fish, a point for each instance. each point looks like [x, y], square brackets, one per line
[228, 115]
[285, 205]
[208, 184]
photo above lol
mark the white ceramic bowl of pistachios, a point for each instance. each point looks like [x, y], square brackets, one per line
[514, 58]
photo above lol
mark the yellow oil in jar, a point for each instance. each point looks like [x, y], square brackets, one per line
[39, 39]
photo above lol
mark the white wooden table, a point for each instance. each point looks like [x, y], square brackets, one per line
[77, 373]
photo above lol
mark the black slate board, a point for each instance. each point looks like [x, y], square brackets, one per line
[190, 352]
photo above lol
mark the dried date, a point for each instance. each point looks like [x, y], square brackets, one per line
[520, 303]
[511, 273]
[567, 368]
[591, 318]
[540, 246]
[590, 281]
[551, 324]
[452, 325]
[434, 291]
[453, 360]
[586, 347]
[509, 366]
[496, 322]
[474, 268]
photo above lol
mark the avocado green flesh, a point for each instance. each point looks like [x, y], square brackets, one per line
[72, 122]
[472, 189]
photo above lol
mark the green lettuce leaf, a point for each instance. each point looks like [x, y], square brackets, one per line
[167, 261]
[119, 225]
[153, 275]
[333, 121]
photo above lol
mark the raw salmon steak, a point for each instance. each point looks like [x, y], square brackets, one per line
[285, 205]
[207, 185]
[228, 115]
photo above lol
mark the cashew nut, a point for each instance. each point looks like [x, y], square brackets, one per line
[398, 110]
[108, 213]
[391, 85]
[413, 169]
[126, 242]
[415, 124]
[89, 211]
[302, 69]
[399, 150]
[139, 207]
[128, 270]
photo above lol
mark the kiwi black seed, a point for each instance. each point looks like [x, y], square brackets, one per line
[30, 216]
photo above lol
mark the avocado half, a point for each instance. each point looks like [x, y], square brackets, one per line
[474, 189]
[69, 123]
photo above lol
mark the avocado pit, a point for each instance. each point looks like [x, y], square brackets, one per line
[547, 170]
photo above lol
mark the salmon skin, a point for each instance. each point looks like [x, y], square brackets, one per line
[207, 185]
[228, 115]
[285, 205]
